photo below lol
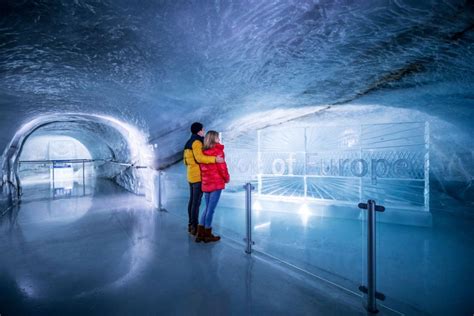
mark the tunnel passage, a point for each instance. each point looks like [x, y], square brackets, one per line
[64, 150]
[56, 162]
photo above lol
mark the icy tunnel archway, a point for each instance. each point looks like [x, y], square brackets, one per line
[73, 163]
[125, 145]
[122, 145]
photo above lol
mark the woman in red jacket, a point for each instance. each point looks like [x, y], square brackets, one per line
[214, 176]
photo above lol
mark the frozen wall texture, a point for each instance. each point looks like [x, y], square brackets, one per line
[243, 65]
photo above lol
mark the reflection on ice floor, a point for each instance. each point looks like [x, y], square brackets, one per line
[73, 247]
[420, 268]
[42, 191]
[51, 238]
[111, 253]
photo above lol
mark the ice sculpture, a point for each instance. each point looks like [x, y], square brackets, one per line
[385, 162]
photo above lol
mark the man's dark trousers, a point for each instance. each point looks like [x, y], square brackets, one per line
[195, 196]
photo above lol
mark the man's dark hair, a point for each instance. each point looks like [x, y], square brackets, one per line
[196, 127]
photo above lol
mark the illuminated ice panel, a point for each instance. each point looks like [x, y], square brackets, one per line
[397, 194]
[282, 163]
[242, 165]
[331, 188]
[241, 157]
[393, 135]
[332, 163]
[283, 186]
[394, 163]
[338, 161]
[332, 138]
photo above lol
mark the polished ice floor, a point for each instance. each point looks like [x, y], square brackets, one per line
[423, 267]
[107, 252]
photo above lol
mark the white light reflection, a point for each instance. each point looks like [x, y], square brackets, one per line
[256, 206]
[262, 226]
[304, 213]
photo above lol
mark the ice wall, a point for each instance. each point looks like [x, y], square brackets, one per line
[51, 147]
[450, 157]
[237, 65]
[97, 138]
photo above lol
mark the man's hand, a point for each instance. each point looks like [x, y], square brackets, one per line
[219, 159]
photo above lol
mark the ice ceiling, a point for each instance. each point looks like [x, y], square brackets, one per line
[161, 65]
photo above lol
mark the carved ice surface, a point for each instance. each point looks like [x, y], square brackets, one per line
[161, 65]
[321, 80]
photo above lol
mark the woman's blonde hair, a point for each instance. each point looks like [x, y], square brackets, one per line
[210, 140]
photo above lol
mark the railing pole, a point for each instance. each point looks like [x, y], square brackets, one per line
[159, 190]
[248, 206]
[83, 178]
[18, 183]
[53, 179]
[371, 258]
[160, 195]
[371, 289]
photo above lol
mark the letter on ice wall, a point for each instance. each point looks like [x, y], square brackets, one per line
[385, 162]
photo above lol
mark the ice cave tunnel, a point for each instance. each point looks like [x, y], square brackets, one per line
[348, 135]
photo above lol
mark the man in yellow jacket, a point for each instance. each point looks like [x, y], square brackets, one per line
[193, 156]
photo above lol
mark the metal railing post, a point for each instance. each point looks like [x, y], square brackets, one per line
[83, 178]
[371, 259]
[248, 207]
[160, 195]
[18, 184]
[371, 289]
[53, 180]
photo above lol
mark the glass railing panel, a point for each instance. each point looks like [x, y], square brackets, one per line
[425, 260]
[394, 171]
[175, 191]
[59, 179]
[310, 181]
[242, 163]
[295, 217]
[229, 217]
[320, 238]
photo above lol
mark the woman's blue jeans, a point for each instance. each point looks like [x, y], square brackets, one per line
[211, 202]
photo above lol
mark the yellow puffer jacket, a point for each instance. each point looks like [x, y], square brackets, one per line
[193, 156]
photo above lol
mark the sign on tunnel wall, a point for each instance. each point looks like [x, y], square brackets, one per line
[385, 162]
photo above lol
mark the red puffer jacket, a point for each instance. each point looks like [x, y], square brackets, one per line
[214, 175]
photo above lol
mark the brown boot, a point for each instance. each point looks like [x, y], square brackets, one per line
[193, 231]
[210, 237]
[200, 233]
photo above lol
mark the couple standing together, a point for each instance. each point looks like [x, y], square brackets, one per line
[207, 173]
